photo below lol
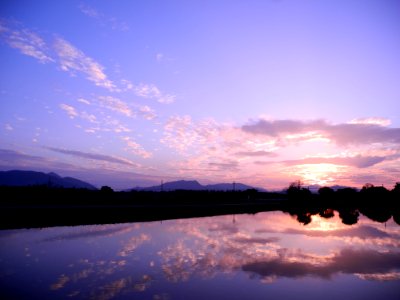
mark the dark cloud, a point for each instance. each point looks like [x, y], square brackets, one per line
[342, 134]
[348, 261]
[94, 156]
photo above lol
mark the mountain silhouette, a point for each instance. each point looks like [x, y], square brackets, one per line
[27, 178]
[194, 185]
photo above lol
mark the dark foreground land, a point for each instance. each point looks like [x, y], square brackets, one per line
[41, 206]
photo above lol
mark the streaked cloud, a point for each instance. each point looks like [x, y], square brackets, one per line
[354, 161]
[115, 104]
[73, 60]
[118, 177]
[375, 120]
[342, 134]
[224, 165]
[94, 156]
[260, 153]
[84, 101]
[26, 41]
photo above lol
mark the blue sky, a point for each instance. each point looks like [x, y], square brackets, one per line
[265, 92]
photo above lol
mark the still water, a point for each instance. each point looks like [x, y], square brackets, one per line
[264, 256]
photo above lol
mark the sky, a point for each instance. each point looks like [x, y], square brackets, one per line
[129, 93]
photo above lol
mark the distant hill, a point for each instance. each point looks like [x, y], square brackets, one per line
[315, 187]
[194, 185]
[27, 178]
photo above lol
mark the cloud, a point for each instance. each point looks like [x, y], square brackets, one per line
[68, 57]
[363, 232]
[256, 154]
[114, 177]
[224, 166]
[354, 161]
[102, 19]
[94, 156]
[89, 11]
[89, 232]
[73, 113]
[70, 110]
[159, 56]
[348, 261]
[153, 92]
[8, 127]
[179, 133]
[375, 120]
[115, 104]
[73, 60]
[342, 134]
[27, 42]
[84, 101]
[256, 240]
[147, 112]
[135, 148]
[16, 159]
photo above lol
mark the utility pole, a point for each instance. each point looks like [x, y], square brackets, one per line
[162, 185]
[234, 186]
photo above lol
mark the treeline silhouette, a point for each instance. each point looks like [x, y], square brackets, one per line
[43, 206]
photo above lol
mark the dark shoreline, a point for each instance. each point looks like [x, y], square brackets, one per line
[38, 207]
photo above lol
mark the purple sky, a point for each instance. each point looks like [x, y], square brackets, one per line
[129, 93]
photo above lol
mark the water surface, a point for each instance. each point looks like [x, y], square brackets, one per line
[267, 255]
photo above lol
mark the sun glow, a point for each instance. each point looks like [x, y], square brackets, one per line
[321, 174]
[322, 224]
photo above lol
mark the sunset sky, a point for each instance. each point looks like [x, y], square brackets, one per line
[129, 93]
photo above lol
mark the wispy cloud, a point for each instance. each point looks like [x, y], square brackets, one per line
[102, 19]
[84, 101]
[8, 127]
[73, 113]
[159, 56]
[27, 42]
[153, 92]
[147, 112]
[116, 104]
[69, 58]
[136, 148]
[70, 110]
[73, 60]
[94, 156]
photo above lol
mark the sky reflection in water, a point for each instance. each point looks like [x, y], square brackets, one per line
[268, 255]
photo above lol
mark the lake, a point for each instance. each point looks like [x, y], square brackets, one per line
[269, 255]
